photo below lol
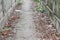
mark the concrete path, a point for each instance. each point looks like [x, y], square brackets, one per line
[25, 26]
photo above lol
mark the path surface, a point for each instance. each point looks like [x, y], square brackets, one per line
[25, 26]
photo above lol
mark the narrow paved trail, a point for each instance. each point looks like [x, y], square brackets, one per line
[25, 26]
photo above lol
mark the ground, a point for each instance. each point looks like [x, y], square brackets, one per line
[33, 25]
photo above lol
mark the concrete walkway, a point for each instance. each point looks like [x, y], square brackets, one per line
[25, 26]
